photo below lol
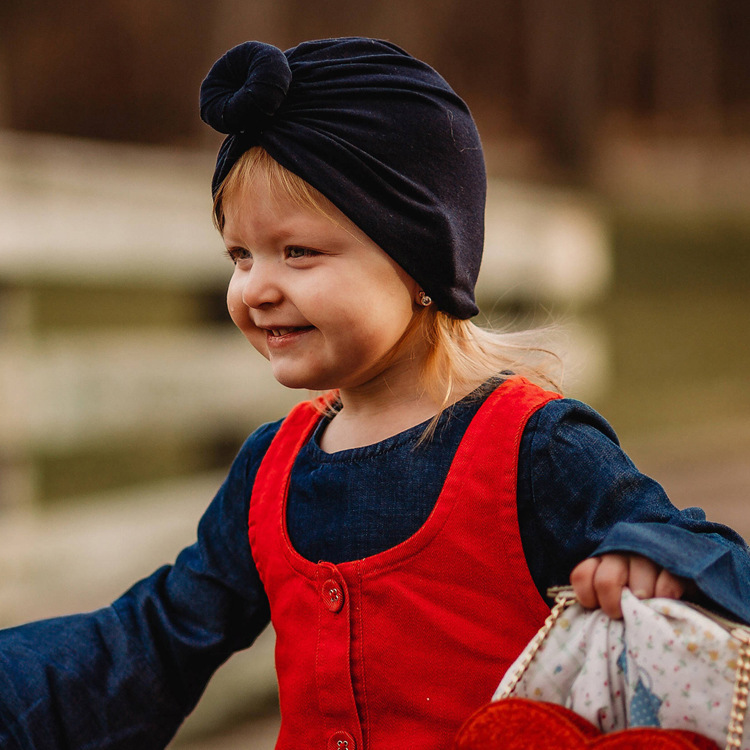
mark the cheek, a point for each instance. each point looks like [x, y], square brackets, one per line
[376, 332]
[258, 339]
[235, 306]
[392, 310]
[240, 315]
[371, 319]
[234, 296]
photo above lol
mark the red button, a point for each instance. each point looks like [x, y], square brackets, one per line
[341, 741]
[333, 596]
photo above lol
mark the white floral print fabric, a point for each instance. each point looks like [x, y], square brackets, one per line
[665, 664]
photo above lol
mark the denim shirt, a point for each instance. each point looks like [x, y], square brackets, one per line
[126, 675]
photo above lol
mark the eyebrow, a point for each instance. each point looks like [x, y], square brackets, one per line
[277, 235]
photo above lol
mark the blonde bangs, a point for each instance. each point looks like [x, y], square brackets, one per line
[280, 182]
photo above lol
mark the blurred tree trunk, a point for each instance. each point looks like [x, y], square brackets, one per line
[687, 61]
[237, 21]
[420, 25]
[479, 50]
[627, 60]
[331, 18]
[563, 87]
[734, 33]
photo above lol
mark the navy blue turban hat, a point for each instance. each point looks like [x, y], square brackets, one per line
[379, 133]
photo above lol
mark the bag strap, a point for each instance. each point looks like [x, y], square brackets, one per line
[741, 690]
[564, 597]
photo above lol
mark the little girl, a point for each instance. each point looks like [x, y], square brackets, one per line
[401, 530]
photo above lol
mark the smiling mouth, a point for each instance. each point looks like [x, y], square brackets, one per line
[278, 332]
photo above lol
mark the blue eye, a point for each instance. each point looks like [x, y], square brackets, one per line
[295, 252]
[236, 254]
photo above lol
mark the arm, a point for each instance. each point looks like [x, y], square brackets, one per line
[580, 496]
[125, 676]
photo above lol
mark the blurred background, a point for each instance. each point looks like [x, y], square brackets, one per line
[617, 139]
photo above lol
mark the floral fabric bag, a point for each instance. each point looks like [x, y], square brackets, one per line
[667, 665]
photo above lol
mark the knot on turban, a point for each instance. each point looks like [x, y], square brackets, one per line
[245, 87]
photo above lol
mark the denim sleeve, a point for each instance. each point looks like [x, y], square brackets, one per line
[125, 676]
[579, 495]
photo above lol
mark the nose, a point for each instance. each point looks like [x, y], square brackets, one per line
[259, 285]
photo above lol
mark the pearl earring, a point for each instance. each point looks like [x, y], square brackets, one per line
[424, 299]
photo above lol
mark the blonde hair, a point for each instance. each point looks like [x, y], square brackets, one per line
[279, 180]
[461, 356]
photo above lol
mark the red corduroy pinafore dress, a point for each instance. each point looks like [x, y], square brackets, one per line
[398, 649]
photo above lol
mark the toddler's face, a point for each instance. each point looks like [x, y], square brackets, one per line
[312, 293]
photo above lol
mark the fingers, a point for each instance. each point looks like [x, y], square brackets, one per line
[646, 580]
[669, 586]
[599, 581]
[582, 580]
[642, 575]
[610, 579]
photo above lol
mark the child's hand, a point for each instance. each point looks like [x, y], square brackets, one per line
[599, 581]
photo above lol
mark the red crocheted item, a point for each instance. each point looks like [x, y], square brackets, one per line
[521, 724]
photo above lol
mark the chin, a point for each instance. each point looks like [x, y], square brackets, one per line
[299, 381]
